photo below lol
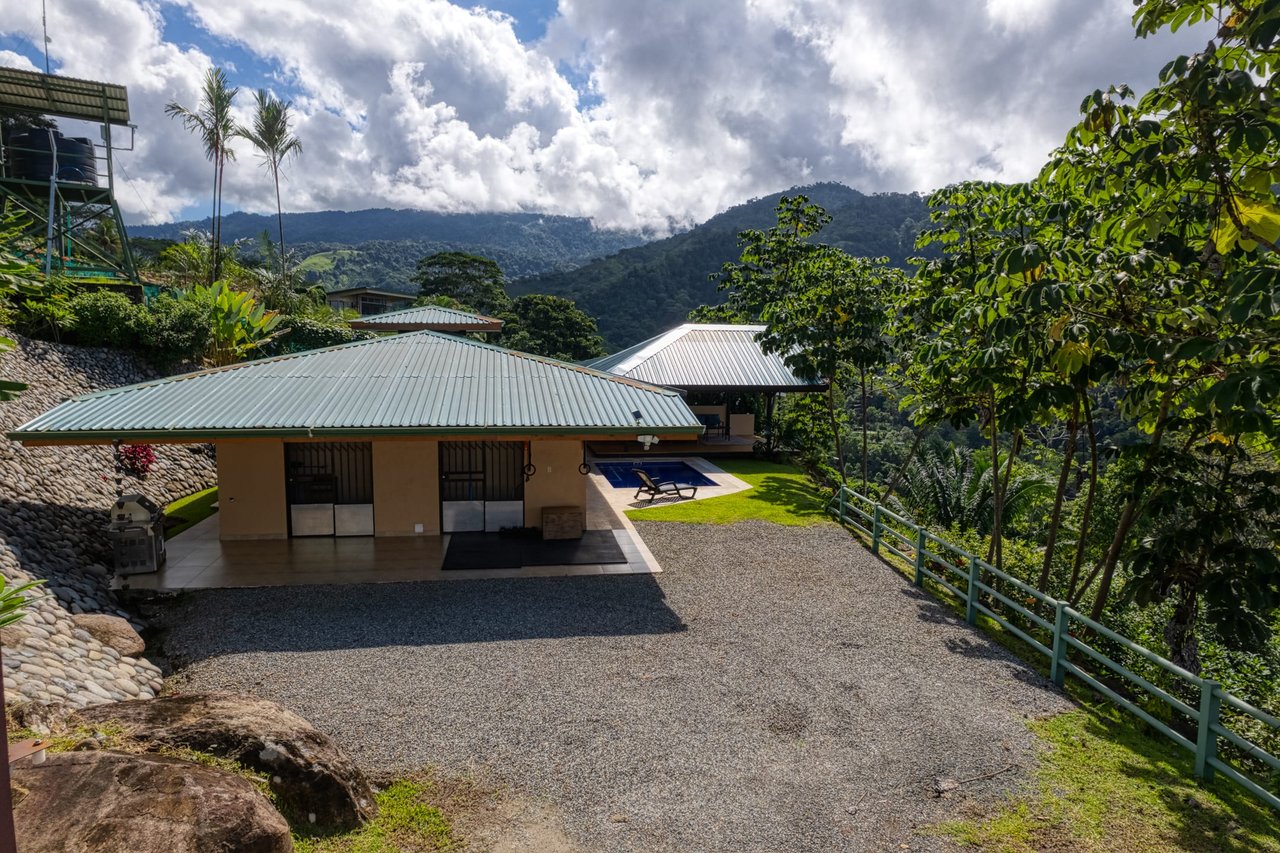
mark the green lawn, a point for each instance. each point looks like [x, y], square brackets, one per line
[190, 510]
[779, 493]
[1105, 784]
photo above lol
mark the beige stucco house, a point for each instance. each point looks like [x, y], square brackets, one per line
[417, 434]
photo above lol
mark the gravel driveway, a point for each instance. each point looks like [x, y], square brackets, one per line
[776, 689]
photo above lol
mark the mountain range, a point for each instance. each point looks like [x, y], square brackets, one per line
[633, 287]
[380, 247]
[642, 291]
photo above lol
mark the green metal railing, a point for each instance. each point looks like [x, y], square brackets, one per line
[1056, 630]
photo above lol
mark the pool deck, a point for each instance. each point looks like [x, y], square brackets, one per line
[624, 499]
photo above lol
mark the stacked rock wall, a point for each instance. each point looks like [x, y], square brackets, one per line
[53, 511]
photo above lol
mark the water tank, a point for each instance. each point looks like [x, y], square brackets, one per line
[31, 157]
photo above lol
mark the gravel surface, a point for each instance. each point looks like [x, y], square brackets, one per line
[776, 689]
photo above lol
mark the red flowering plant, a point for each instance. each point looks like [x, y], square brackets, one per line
[137, 459]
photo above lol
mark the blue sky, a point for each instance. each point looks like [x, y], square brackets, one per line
[638, 115]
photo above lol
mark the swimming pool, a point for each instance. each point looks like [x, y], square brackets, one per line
[620, 476]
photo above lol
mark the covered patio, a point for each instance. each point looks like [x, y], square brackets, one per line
[198, 558]
[728, 380]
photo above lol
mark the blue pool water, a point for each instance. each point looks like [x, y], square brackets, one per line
[620, 476]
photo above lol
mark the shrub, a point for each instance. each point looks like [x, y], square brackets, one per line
[173, 331]
[304, 333]
[104, 318]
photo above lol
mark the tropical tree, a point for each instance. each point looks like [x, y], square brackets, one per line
[551, 326]
[213, 123]
[275, 142]
[824, 311]
[1142, 262]
[474, 281]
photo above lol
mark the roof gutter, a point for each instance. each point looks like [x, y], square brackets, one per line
[37, 437]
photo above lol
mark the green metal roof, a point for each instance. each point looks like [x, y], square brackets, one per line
[706, 356]
[421, 383]
[429, 317]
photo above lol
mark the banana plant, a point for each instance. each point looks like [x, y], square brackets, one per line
[239, 324]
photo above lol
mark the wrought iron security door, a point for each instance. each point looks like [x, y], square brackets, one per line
[481, 485]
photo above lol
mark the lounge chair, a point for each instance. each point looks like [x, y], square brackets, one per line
[666, 487]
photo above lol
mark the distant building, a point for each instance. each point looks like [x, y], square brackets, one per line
[368, 300]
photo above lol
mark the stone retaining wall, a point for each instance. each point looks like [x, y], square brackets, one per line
[53, 508]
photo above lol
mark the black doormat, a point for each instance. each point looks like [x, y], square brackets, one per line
[494, 551]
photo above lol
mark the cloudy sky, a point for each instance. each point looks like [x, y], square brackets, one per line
[638, 114]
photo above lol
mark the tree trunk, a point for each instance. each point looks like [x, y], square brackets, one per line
[993, 549]
[902, 469]
[1130, 513]
[275, 173]
[213, 223]
[217, 222]
[768, 419]
[1180, 630]
[1086, 517]
[835, 427]
[862, 372]
[1055, 517]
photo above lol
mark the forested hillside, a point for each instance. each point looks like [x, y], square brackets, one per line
[642, 291]
[379, 248]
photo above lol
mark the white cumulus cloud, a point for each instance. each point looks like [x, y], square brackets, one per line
[687, 107]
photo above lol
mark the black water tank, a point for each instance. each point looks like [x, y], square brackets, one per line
[31, 157]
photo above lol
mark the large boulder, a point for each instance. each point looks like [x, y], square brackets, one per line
[77, 802]
[112, 631]
[312, 779]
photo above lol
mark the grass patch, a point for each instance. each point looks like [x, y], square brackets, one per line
[323, 261]
[189, 511]
[407, 821]
[779, 493]
[1104, 783]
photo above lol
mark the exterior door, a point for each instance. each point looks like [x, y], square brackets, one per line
[329, 488]
[481, 485]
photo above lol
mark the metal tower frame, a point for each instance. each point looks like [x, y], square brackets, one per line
[59, 211]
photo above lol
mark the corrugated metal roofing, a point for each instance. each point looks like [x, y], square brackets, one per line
[419, 383]
[698, 355]
[70, 97]
[428, 317]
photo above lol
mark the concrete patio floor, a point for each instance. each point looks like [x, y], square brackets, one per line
[199, 559]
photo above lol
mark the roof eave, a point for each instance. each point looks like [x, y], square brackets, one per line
[363, 325]
[72, 437]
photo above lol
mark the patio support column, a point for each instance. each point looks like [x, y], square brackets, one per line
[768, 420]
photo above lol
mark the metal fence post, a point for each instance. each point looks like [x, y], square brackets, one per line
[875, 530]
[971, 595]
[1057, 668]
[1206, 740]
[921, 541]
[842, 491]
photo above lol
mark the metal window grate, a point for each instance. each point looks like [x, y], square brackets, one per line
[338, 472]
[481, 470]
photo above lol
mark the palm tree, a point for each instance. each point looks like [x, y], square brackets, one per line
[213, 123]
[951, 486]
[276, 143]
